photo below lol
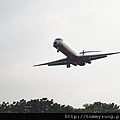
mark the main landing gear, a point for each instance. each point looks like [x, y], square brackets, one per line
[68, 65]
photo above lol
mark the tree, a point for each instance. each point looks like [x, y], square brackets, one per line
[48, 106]
[98, 107]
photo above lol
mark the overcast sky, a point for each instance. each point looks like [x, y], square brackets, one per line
[27, 31]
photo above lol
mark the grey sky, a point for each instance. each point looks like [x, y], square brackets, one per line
[28, 29]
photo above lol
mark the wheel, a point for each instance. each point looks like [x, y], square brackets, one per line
[68, 65]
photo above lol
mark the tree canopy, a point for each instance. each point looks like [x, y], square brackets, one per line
[48, 106]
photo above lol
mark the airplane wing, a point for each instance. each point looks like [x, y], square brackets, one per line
[57, 62]
[98, 56]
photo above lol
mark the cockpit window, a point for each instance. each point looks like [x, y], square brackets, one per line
[55, 43]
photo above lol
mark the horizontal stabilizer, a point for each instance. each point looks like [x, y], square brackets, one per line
[83, 52]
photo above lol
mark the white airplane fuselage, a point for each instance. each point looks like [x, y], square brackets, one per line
[61, 46]
[72, 57]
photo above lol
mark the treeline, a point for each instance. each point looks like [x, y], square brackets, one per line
[48, 106]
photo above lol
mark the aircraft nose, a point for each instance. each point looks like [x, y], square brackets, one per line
[54, 44]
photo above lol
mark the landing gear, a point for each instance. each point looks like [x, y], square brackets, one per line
[57, 49]
[68, 65]
[89, 62]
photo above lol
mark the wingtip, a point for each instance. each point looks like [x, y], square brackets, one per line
[34, 65]
[37, 65]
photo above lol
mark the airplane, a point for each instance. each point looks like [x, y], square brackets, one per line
[72, 57]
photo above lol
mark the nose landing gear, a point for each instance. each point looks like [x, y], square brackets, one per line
[57, 49]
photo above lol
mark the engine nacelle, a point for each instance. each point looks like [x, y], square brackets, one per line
[82, 63]
[75, 64]
[88, 61]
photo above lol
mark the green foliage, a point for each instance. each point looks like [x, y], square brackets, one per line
[99, 107]
[48, 106]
